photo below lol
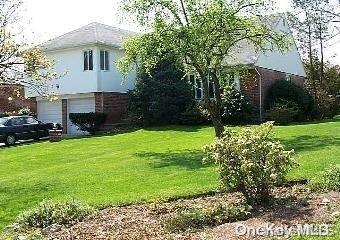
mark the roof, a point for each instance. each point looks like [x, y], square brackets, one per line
[245, 53]
[93, 33]
[97, 33]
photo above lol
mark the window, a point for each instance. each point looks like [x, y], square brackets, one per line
[104, 60]
[31, 120]
[196, 86]
[211, 89]
[18, 121]
[237, 81]
[88, 60]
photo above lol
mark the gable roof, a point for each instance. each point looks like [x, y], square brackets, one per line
[245, 53]
[93, 33]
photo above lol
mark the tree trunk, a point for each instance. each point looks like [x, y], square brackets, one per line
[321, 53]
[213, 106]
[311, 63]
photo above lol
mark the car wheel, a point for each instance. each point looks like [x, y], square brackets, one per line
[10, 140]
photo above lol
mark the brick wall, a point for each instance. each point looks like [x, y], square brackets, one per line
[113, 104]
[250, 85]
[18, 101]
[64, 114]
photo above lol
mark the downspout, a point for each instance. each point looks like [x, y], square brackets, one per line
[260, 86]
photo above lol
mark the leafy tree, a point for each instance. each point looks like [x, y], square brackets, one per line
[19, 63]
[327, 92]
[203, 33]
[160, 96]
[314, 24]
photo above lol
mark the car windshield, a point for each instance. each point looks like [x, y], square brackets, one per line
[3, 121]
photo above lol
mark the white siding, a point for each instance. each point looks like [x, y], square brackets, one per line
[112, 80]
[76, 80]
[288, 62]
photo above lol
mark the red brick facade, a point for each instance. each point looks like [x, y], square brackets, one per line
[250, 86]
[64, 114]
[12, 99]
[113, 104]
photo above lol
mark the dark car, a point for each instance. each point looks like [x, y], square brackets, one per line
[17, 128]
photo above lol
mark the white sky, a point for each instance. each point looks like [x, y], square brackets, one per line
[46, 19]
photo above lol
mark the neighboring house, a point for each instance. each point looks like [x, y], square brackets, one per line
[264, 68]
[12, 99]
[93, 83]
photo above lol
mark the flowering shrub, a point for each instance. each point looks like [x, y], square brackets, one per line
[51, 212]
[328, 181]
[250, 161]
[236, 108]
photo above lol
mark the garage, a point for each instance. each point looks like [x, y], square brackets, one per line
[79, 105]
[49, 111]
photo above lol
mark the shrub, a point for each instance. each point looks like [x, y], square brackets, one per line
[89, 122]
[289, 92]
[194, 115]
[161, 96]
[4, 115]
[235, 107]
[51, 212]
[250, 161]
[12, 233]
[283, 112]
[24, 111]
[329, 181]
[216, 214]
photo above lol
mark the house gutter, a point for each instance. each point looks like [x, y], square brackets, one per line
[260, 90]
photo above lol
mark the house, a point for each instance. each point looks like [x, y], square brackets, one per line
[93, 83]
[264, 68]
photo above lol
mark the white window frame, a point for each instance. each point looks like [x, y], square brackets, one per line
[196, 88]
[106, 60]
[87, 51]
[237, 81]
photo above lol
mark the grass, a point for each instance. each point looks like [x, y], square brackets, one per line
[148, 164]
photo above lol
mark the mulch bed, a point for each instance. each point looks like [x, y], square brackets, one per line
[293, 205]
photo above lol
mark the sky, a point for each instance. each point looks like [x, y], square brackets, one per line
[46, 19]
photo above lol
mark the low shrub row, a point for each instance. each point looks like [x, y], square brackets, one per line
[213, 215]
[328, 181]
[54, 212]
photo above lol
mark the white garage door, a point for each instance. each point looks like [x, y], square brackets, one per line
[79, 105]
[49, 112]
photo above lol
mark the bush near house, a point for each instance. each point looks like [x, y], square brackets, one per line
[250, 161]
[236, 108]
[161, 96]
[283, 112]
[283, 92]
[194, 115]
[89, 122]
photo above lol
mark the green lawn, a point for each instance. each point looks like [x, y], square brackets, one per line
[144, 165]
